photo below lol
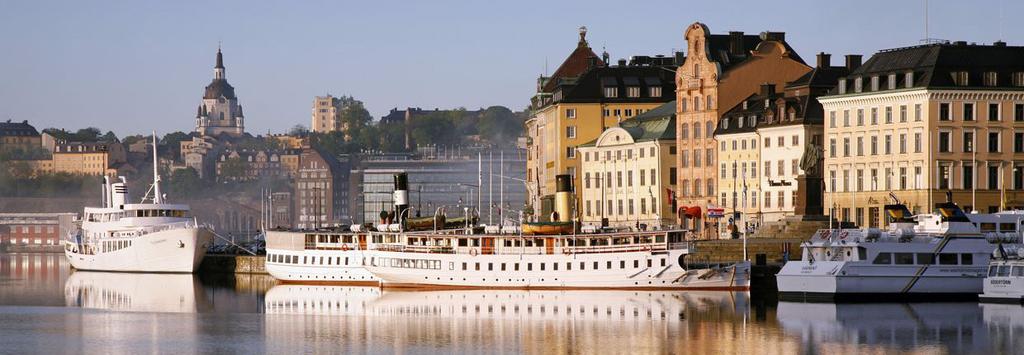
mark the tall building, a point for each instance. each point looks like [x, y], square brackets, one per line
[321, 190]
[220, 113]
[580, 100]
[719, 72]
[919, 122]
[327, 112]
[627, 172]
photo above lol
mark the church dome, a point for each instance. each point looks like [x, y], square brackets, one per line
[218, 88]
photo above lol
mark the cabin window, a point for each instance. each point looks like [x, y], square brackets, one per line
[502, 266]
[610, 265]
[947, 259]
[883, 259]
[649, 262]
[476, 266]
[904, 258]
[925, 258]
[966, 259]
[582, 265]
[463, 266]
[1018, 271]
[662, 262]
[1007, 227]
[541, 266]
[862, 253]
[1003, 270]
[516, 268]
[988, 227]
[490, 266]
[463, 242]
[992, 270]
[568, 266]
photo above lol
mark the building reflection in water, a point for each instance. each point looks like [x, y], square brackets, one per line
[32, 279]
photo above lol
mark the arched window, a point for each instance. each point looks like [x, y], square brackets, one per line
[710, 130]
[683, 106]
[685, 132]
[709, 102]
[696, 69]
[710, 188]
[696, 130]
[696, 187]
[685, 190]
[696, 103]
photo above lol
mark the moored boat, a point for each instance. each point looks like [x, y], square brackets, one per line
[1005, 280]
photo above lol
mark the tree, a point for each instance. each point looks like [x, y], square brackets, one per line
[90, 134]
[234, 169]
[185, 183]
[499, 125]
[433, 128]
[353, 114]
[298, 131]
[172, 142]
[108, 137]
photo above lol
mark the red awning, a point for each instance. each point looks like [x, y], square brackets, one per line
[693, 212]
[681, 211]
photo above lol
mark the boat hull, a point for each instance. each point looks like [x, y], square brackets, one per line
[835, 281]
[625, 271]
[1003, 289]
[340, 267]
[177, 250]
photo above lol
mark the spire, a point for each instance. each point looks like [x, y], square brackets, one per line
[218, 70]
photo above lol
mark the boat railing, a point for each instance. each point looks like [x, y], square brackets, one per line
[529, 250]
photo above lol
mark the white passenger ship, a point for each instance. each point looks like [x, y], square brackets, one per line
[141, 237]
[930, 256]
[1005, 281]
[322, 256]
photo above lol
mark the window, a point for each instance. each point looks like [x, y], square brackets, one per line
[611, 92]
[1018, 112]
[993, 177]
[966, 259]
[944, 142]
[1018, 142]
[904, 258]
[767, 169]
[795, 165]
[903, 143]
[570, 132]
[947, 259]
[993, 142]
[782, 167]
[782, 142]
[1018, 79]
[960, 78]
[968, 177]
[796, 140]
[655, 91]
[888, 114]
[570, 113]
[917, 142]
[846, 118]
[968, 141]
[993, 112]
[831, 148]
[874, 83]
[917, 111]
[925, 258]
[570, 152]
[860, 146]
[767, 199]
[874, 115]
[944, 112]
[858, 84]
[903, 113]
[633, 91]
[908, 79]
[944, 176]
[860, 117]
[968, 111]
[831, 121]
[846, 147]
[990, 78]
[883, 259]
[892, 81]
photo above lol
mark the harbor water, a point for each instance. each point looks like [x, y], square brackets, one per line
[45, 307]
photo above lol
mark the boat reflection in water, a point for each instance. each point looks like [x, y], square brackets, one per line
[470, 321]
[133, 292]
[1005, 324]
[935, 327]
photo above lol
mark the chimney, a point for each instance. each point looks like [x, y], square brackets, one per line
[852, 62]
[824, 60]
[773, 36]
[736, 42]
[768, 91]
[680, 58]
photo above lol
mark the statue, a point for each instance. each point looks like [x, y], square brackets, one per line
[811, 159]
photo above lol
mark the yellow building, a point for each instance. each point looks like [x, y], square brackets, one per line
[87, 158]
[19, 136]
[918, 122]
[738, 181]
[577, 103]
[627, 171]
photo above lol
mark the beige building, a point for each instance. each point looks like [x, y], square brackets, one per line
[918, 122]
[577, 103]
[88, 158]
[19, 136]
[326, 116]
[720, 71]
[738, 181]
[627, 170]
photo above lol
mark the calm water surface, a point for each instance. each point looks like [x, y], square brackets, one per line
[47, 308]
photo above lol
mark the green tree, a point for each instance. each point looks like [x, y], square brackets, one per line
[298, 131]
[172, 144]
[233, 169]
[353, 114]
[185, 183]
[499, 125]
[108, 137]
[433, 128]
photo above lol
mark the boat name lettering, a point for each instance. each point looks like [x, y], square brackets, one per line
[999, 282]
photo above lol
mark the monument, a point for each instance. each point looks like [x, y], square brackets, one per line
[808, 199]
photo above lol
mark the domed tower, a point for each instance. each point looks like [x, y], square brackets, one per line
[220, 112]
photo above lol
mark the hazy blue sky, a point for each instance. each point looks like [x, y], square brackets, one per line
[135, 66]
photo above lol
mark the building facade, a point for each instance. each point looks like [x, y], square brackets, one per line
[19, 136]
[739, 153]
[220, 113]
[919, 122]
[35, 228]
[321, 190]
[577, 103]
[719, 72]
[627, 171]
[88, 158]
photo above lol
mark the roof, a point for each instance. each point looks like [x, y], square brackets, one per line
[578, 62]
[719, 48]
[17, 129]
[219, 88]
[657, 124]
[590, 87]
[933, 66]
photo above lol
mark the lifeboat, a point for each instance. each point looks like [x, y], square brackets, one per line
[547, 228]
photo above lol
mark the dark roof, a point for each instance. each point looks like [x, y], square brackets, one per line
[719, 48]
[220, 60]
[17, 129]
[590, 87]
[218, 88]
[738, 118]
[933, 66]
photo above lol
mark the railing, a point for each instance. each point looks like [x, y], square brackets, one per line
[529, 250]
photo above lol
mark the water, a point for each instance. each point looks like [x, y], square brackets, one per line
[47, 308]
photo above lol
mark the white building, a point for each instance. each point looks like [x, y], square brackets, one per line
[220, 111]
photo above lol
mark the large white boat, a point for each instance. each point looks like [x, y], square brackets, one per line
[137, 237]
[1005, 281]
[322, 256]
[929, 256]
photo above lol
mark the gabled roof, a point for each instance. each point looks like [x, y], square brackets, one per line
[578, 62]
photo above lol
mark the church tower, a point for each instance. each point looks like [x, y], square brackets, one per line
[220, 111]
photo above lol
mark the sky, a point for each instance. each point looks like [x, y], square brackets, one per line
[137, 66]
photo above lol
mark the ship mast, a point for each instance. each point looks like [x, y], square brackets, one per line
[157, 198]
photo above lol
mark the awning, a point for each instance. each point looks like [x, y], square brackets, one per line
[693, 212]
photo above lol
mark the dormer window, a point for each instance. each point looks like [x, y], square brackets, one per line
[633, 91]
[991, 78]
[752, 121]
[1018, 79]
[842, 86]
[892, 82]
[611, 92]
[960, 78]
[908, 79]
[725, 124]
[654, 91]
[858, 84]
[744, 105]
[874, 83]
[739, 122]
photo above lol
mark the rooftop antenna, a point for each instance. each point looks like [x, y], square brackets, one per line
[927, 39]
